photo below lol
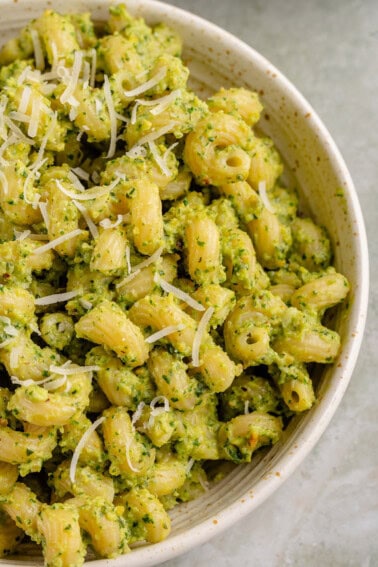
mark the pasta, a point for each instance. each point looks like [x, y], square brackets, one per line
[161, 293]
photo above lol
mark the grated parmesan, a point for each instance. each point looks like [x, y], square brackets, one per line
[80, 446]
[89, 194]
[4, 182]
[57, 241]
[159, 160]
[264, 197]
[92, 79]
[67, 370]
[45, 215]
[24, 101]
[151, 260]
[56, 298]
[164, 333]
[38, 52]
[107, 223]
[91, 225]
[127, 279]
[147, 85]
[198, 337]
[73, 78]
[22, 235]
[80, 173]
[137, 414]
[177, 292]
[112, 117]
[151, 137]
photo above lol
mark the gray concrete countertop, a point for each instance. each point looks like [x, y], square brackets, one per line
[326, 514]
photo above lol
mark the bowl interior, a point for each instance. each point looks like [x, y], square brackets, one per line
[315, 166]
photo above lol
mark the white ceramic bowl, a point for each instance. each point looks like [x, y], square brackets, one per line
[216, 59]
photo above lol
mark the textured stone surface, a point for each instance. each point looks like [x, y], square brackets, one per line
[326, 514]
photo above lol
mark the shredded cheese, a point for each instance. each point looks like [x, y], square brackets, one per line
[246, 407]
[151, 260]
[24, 101]
[127, 452]
[89, 194]
[164, 333]
[56, 298]
[80, 173]
[20, 117]
[159, 160]
[128, 261]
[80, 446]
[57, 241]
[68, 370]
[177, 292]
[264, 197]
[92, 79]
[4, 182]
[127, 279]
[137, 414]
[155, 411]
[73, 78]
[112, 117]
[86, 304]
[107, 223]
[22, 235]
[147, 85]
[152, 136]
[198, 337]
[45, 215]
[38, 52]
[189, 466]
[91, 225]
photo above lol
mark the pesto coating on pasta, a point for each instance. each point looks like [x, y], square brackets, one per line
[162, 295]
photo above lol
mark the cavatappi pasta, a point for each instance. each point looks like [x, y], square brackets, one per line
[161, 295]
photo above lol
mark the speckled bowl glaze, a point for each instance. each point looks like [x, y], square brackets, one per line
[216, 59]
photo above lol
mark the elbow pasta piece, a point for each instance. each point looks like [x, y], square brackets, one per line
[88, 482]
[38, 406]
[26, 360]
[17, 303]
[108, 325]
[166, 477]
[57, 330]
[70, 435]
[271, 238]
[305, 340]
[196, 431]
[23, 507]
[143, 507]
[57, 33]
[240, 260]
[216, 150]
[203, 251]
[311, 245]
[130, 453]
[109, 252]
[60, 532]
[156, 313]
[143, 283]
[116, 53]
[244, 199]
[241, 436]
[216, 368]
[29, 448]
[239, 102]
[13, 203]
[172, 380]
[214, 295]
[8, 477]
[265, 163]
[298, 396]
[10, 534]
[105, 525]
[120, 384]
[146, 216]
[159, 428]
[322, 293]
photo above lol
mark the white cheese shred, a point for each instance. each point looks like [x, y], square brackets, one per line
[151, 260]
[45, 215]
[155, 411]
[38, 52]
[56, 298]
[91, 225]
[198, 337]
[89, 194]
[57, 241]
[80, 446]
[4, 183]
[127, 453]
[73, 78]
[246, 407]
[128, 261]
[92, 79]
[164, 333]
[177, 292]
[80, 173]
[24, 101]
[151, 137]
[137, 414]
[128, 279]
[112, 117]
[189, 466]
[147, 85]
[107, 223]
[264, 197]
[159, 160]
[67, 370]
[22, 235]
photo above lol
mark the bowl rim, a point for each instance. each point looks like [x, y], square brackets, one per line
[307, 438]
